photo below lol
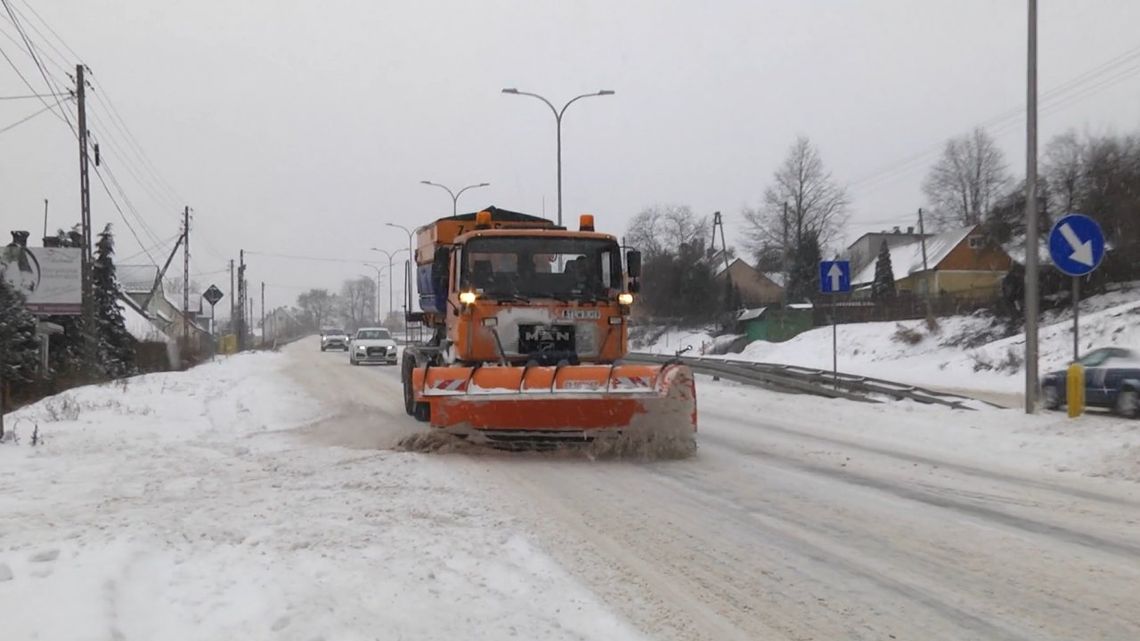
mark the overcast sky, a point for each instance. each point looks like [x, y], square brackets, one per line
[302, 127]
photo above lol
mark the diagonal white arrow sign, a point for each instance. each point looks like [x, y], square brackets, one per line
[836, 276]
[1082, 251]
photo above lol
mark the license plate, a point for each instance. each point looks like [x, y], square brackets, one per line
[581, 314]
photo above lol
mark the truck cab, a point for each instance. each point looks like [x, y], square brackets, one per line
[516, 289]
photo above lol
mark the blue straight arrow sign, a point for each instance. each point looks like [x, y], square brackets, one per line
[834, 276]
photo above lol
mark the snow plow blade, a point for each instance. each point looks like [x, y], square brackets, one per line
[561, 404]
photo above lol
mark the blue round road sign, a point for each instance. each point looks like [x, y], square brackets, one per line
[1076, 244]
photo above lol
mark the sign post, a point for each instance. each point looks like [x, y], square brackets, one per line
[212, 296]
[1076, 245]
[834, 278]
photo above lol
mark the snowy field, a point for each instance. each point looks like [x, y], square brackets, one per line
[957, 355]
[258, 497]
[196, 506]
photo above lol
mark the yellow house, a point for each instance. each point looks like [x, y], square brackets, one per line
[958, 262]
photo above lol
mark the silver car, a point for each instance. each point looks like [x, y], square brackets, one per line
[372, 345]
[334, 339]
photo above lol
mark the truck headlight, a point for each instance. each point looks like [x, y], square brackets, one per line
[625, 298]
[467, 298]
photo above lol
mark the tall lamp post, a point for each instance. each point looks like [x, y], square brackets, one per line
[411, 258]
[454, 194]
[391, 256]
[558, 127]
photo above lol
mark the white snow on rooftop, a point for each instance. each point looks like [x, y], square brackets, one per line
[750, 314]
[140, 327]
[775, 277]
[906, 259]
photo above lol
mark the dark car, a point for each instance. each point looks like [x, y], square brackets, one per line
[1112, 380]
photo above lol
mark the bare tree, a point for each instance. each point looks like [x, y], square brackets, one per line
[174, 288]
[358, 297]
[662, 229]
[803, 206]
[966, 181]
[1064, 168]
[318, 304]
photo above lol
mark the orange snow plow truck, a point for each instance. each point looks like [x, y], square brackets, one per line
[529, 326]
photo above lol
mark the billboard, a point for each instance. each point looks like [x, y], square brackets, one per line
[50, 278]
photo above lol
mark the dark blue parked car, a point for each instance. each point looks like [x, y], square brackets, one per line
[1112, 380]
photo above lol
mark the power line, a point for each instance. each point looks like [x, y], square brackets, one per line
[312, 258]
[133, 141]
[162, 245]
[20, 74]
[1076, 88]
[130, 205]
[34, 95]
[32, 50]
[25, 119]
[48, 26]
[119, 209]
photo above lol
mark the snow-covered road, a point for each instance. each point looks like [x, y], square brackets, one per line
[799, 518]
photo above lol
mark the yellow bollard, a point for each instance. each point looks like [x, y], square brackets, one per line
[1075, 392]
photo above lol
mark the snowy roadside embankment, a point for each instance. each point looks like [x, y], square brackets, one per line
[1090, 446]
[950, 356]
[190, 506]
[962, 353]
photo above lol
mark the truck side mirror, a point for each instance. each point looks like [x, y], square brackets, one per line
[633, 263]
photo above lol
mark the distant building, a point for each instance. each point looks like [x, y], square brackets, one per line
[142, 285]
[755, 287]
[865, 249]
[958, 262]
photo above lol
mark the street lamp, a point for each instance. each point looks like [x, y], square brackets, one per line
[558, 126]
[411, 257]
[454, 195]
[391, 256]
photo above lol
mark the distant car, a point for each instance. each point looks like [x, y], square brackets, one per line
[1112, 380]
[372, 345]
[334, 339]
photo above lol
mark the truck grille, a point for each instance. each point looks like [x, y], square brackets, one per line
[539, 339]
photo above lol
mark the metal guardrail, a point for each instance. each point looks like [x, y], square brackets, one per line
[806, 380]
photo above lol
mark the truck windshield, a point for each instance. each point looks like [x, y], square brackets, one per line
[536, 267]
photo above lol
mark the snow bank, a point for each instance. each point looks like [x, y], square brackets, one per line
[188, 506]
[1095, 445]
[961, 353]
[662, 340]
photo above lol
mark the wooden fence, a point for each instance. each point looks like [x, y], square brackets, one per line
[848, 309]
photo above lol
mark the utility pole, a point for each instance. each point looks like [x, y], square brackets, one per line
[241, 300]
[263, 313]
[45, 217]
[922, 235]
[718, 223]
[1031, 217]
[89, 344]
[186, 278]
[784, 255]
[233, 298]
